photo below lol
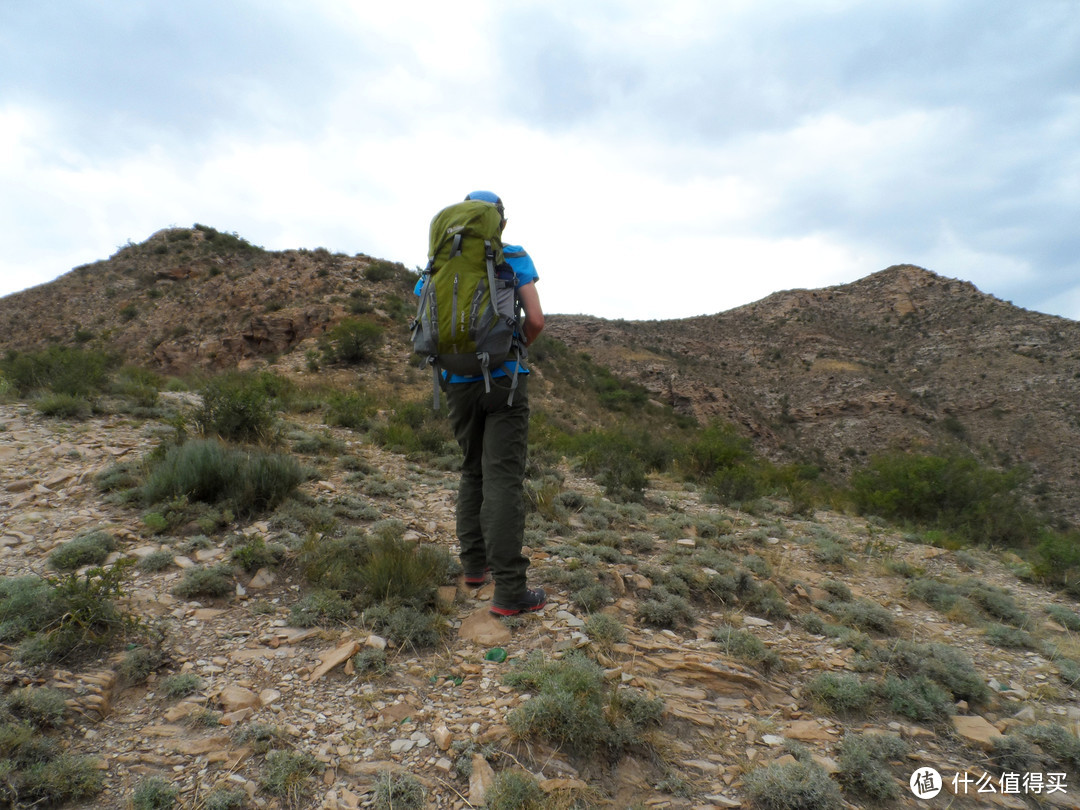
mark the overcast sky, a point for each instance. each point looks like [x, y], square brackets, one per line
[658, 160]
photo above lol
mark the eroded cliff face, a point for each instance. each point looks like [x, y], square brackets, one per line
[902, 358]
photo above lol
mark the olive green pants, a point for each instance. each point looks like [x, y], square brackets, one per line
[494, 437]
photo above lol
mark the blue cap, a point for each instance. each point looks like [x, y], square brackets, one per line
[487, 196]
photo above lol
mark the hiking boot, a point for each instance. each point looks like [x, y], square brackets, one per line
[532, 599]
[475, 580]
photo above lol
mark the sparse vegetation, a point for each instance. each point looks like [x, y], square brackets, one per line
[573, 707]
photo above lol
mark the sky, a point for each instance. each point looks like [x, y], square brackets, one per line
[657, 160]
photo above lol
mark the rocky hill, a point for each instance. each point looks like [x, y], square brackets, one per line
[902, 358]
[716, 657]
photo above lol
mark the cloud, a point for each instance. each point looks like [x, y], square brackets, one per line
[748, 146]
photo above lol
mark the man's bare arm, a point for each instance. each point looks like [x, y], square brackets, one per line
[534, 315]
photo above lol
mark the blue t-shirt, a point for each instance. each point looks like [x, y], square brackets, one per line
[524, 273]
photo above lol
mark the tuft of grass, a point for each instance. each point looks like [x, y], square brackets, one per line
[941, 663]
[745, 646]
[573, 707]
[917, 698]
[64, 406]
[792, 786]
[321, 607]
[1001, 635]
[863, 762]
[154, 793]
[665, 609]
[42, 707]
[862, 614]
[1013, 754]
[287, 774]
[156, 561]
[1058, 743]
[842, 694]
[1069, 619]
[399, 790]
[54, 781]
[212, 581]
[515, 790]
[407, 625]
[256, 553]
[181, 685]
[224, 797]
[605, 629]
[139, 662]
[371, 662]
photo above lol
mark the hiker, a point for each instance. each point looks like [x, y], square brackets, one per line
[489, 415]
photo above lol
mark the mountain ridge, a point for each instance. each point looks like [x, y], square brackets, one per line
[902, 358]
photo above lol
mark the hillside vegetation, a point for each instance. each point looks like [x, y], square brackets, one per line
[230, 575]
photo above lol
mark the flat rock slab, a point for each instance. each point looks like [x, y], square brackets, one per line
[484, 629]
[975, 730]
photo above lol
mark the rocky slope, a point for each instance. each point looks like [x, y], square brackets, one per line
[724, 715]
[902, 358]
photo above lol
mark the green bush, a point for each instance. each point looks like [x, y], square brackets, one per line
[54, 618]
[138, 385]
[64, 406]
[140, 662]
[1012, 753]
[211, 472]
[862, 614]
[414, 428]
[51, 781]
[92, 548]
[223, 797]
[1057, 560]
[945, 665]
[353, 410]
[665, 609]
[613, 458]
[238, 407]
[1069, 619]
[400, 572]
[58, 369]
[1060, 746]
[352, 341]
[792, 786]
[948, 492]
[255, 553]
[574, 708]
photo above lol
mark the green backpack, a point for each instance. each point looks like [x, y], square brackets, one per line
[467, 320]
